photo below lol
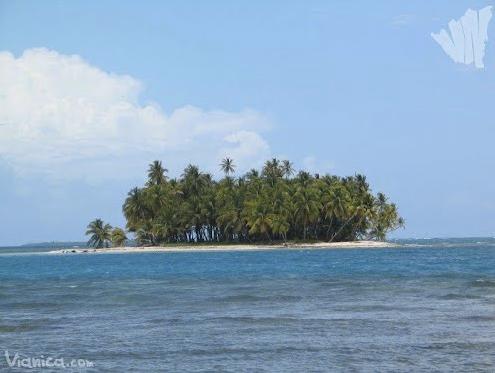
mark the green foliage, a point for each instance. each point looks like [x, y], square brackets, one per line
[156, 174]
[256, 207]
[118, 237]
[99, 232]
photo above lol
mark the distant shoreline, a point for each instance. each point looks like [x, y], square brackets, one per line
[228, 248]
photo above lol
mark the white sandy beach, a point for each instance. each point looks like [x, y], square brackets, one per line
[199, 248]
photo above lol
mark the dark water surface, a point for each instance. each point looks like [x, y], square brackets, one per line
[408, 309]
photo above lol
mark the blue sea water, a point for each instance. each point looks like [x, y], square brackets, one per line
[428, 307]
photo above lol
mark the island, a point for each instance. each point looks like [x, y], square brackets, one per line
[272, 207]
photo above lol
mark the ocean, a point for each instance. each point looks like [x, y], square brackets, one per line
[429, 306]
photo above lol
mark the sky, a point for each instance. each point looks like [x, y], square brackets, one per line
[91, 92]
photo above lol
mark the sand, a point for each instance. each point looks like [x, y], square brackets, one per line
[239, 247]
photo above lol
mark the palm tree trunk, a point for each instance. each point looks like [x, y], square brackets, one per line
[342, 227]
[329, 227]
[269, 237]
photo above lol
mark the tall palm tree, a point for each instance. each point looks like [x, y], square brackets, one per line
[134, 209]
[358, 212]
[272, 169]
[156, 173]
[335, 203]
[287, 168]
[227, 166]
[192, 181]
[258, 218]
[307, 207]
[100, 233]
[384, 217]
[280, 225]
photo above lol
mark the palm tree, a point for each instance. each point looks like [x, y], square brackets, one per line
[304, 178]
[287, 168]
[272, 169]
[384, 217]
[192, 180]
[156, 173]
[335, 203]
[196, 187]
[100, 233]
[280, 225]
[252, 174]
[258, 215]
[135, 210]
[307, 205]
[227, 166]
[357, 213]
[118, 237]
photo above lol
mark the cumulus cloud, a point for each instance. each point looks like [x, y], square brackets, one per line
[64, 118]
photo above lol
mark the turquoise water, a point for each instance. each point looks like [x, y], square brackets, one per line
[408, 309]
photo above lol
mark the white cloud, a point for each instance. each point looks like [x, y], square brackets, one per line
[63, 118]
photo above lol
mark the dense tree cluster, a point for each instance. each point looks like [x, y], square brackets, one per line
[270, 205]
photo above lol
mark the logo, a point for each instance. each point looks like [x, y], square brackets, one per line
[468, 36]
[31, 362]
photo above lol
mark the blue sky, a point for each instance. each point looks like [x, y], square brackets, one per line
[338, 87]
